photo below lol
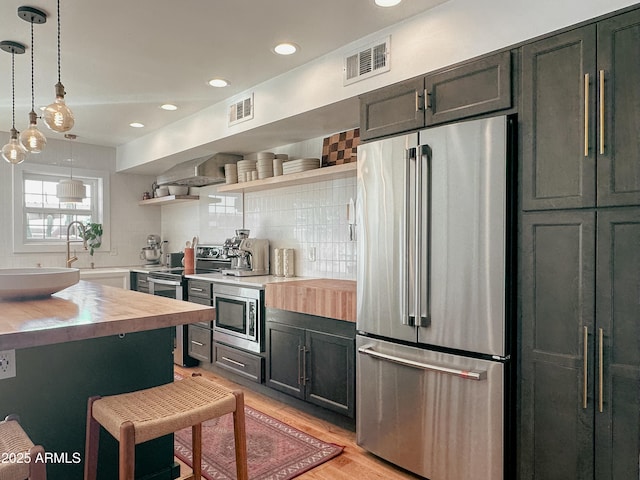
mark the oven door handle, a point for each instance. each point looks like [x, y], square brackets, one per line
[172, 283]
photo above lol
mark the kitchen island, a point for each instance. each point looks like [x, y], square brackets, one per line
[89, 339]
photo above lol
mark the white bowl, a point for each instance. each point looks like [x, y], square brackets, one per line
[26, 283]
[162, 192]
[178, 190]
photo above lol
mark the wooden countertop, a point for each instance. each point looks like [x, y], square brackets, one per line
[90, 310]
[323, 297]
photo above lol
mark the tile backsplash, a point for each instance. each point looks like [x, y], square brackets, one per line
[312, 219]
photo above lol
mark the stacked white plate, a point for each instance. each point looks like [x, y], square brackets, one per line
[231, 173]
[300, 165]
[265, 167]
[245, 167]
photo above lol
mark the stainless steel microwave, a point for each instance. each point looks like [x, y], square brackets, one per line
[239, 317]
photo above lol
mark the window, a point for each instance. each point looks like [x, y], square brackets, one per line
[41, 220]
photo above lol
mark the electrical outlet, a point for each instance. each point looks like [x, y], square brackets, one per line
[7, 364]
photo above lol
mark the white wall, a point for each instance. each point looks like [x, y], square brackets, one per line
[130, 223]
[449, 33]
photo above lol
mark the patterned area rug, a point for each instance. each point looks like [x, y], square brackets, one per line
[275, 450]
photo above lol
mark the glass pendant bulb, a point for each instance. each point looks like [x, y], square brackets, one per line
[32, 139]
[13, 152]
[57, 116]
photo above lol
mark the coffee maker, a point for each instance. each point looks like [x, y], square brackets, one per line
[249, 256]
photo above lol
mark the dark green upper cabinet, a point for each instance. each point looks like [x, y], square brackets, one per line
[393, 109]
[558, 151]
[580, 117]
[474, 88]
[619, 110]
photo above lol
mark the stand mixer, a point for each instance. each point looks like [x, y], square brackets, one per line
[249, 256]
[152, 253]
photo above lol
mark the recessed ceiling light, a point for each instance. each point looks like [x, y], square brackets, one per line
[136, 125]
[286, 48]
[168, 106]
[218, 82]
[387, 3]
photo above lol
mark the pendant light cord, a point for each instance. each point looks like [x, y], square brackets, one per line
[13, 90]
[32, 81]
[59, 41]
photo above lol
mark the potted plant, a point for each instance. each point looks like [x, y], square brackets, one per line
[93, 236]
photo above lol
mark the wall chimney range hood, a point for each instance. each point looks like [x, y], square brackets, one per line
[199, 171]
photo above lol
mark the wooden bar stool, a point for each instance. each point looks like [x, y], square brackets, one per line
[137, 417]
[16, 447]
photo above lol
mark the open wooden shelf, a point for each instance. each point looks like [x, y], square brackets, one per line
[310, 176]
[169, 199]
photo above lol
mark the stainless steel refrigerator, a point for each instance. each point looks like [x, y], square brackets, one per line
[433, 344]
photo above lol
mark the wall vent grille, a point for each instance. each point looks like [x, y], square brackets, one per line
[241, 110]
[368, 61]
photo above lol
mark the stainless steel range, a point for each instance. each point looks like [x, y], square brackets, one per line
[171, 282]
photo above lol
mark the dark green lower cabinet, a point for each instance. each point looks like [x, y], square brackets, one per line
[617, 339]
[579, 367]
[312, 358]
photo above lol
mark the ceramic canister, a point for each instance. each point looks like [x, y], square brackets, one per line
[278, 269]
[289, 262]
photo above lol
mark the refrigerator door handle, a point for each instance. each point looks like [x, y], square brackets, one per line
[457, 372]
[423, 233]
[412, 297]
[417, 239]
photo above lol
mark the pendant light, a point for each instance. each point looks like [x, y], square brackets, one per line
[70, 190]
[32, 139]
[57, 116]
[13, 152]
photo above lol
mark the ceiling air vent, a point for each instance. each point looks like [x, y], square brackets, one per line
[241, 110]
[368, 61]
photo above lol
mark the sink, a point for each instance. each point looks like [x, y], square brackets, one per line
[27, 283]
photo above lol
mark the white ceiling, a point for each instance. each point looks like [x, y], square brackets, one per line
[121, 59]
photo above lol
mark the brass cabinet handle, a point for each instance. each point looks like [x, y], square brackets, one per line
[600, 368]
[586, 116]
[585, 377]
[601, 113]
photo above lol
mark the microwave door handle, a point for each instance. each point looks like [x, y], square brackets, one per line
[424, 236]
[409, 235]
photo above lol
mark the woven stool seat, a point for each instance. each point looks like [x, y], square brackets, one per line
[19, 451]
[161, 410]
[137, 417]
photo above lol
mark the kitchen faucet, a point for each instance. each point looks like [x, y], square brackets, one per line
[71, 259]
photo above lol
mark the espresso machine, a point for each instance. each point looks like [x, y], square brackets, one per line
[249, 256]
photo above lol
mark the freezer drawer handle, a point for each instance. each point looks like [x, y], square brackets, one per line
[466, 374]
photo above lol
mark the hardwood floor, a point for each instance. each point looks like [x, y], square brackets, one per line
[353, 463]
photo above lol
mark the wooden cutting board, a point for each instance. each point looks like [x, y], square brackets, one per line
[322, 297]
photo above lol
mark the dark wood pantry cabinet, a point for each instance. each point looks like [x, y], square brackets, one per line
[580, 374]
[580, 116]
[470, 89]
[579, 263]
[312, 358]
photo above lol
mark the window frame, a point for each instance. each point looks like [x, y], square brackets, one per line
[101, 205]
